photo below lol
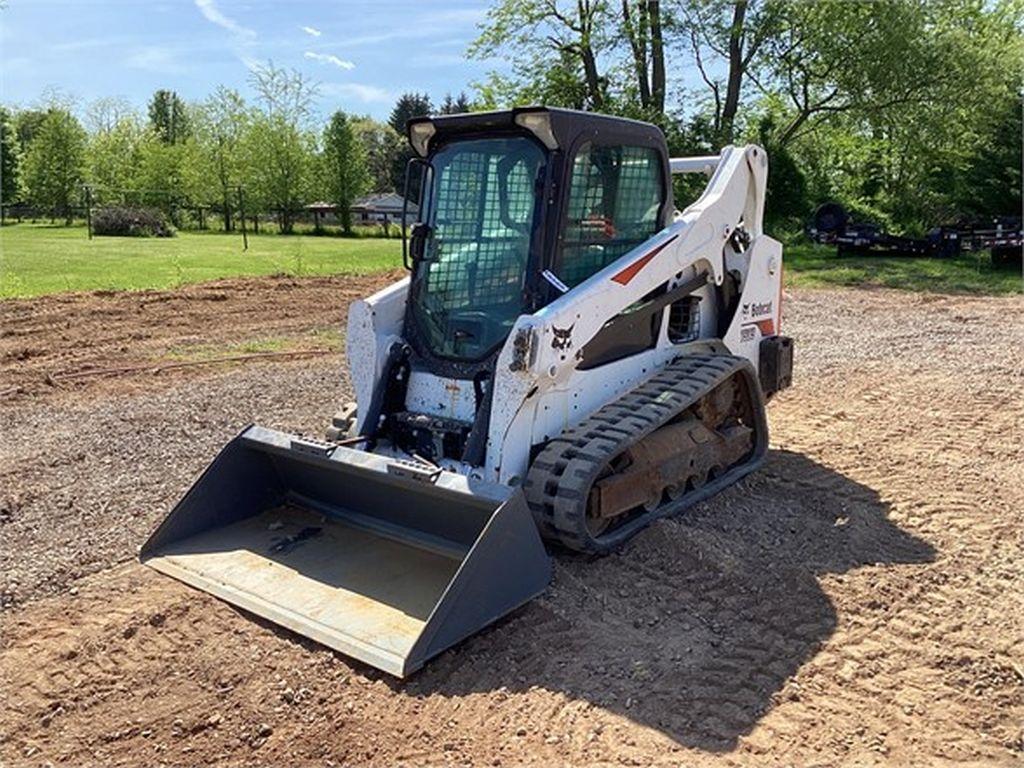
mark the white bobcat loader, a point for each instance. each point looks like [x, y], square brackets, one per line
[569, 359]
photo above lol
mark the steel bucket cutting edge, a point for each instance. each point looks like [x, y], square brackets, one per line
[383, 560]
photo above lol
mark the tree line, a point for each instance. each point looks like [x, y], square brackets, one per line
[907, 111]
[182, 155]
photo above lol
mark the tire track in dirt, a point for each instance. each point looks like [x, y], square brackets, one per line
[949, 459]
[855, 602]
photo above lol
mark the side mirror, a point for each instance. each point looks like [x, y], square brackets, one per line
[414, 242]
[418, 242]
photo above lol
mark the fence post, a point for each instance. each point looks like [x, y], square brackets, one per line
[88, 210]
[241, 216]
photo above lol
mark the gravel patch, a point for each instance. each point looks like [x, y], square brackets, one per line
[82, 484]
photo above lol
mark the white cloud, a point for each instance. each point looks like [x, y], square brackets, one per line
[453, 25]
[365, 93]
[440, 59]
[214, 15]
[403, 33]
[311, 31]
[243, 39]
[87, 43]
[251, 63]
[155, 59]
[467, 15]
[328, 58]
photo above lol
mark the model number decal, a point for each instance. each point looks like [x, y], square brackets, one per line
[766, 327]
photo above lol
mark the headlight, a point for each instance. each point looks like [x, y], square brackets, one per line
[539, 124]
[419, 136]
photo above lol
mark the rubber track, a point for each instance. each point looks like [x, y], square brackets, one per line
[558, 482]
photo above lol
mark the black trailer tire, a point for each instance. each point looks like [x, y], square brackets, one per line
[1007, 256]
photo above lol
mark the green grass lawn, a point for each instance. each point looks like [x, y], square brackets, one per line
[818, 266]
[38, 259]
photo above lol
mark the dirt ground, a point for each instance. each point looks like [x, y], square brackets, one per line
[76, 342]
[858, 601]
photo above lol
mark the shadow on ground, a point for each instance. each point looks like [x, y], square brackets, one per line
[695, 627]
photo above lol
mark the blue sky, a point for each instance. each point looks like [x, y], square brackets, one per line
[364, 54]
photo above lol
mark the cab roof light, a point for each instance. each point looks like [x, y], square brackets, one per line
[539, 124]
[420, 134]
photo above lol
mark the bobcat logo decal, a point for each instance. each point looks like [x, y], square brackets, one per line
[562, 338]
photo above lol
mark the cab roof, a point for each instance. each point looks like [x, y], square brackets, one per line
[555, 127]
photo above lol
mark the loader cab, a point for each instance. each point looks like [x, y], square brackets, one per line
[515, 208]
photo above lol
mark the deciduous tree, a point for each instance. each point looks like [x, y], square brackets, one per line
[643, 29]
[219, 164]
[382, 146]
[54, 165]
[726, 42]
[114, 157]
[536, 34]
[10, 157]
[160, 177]
[103, 114]
[279, 144]
[26, 126]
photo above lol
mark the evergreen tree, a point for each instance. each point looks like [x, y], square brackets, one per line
[344, 167]
[455, 106]
[409, 105]
[169, 117]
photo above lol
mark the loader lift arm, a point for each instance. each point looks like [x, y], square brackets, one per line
[695, 246]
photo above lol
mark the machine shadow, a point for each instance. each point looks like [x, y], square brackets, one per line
[695, 627]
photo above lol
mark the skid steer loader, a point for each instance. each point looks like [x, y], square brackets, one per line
[569, 359]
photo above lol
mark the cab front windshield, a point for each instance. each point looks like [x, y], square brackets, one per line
[469, 288]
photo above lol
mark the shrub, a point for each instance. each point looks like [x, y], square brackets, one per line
[119, 221]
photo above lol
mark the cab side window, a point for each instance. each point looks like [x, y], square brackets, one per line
[615, 196]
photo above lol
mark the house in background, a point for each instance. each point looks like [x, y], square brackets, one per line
[383, 208]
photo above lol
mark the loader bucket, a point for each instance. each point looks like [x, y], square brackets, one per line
[387, 561]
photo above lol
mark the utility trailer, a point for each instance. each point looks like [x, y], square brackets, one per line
[1003, 236]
